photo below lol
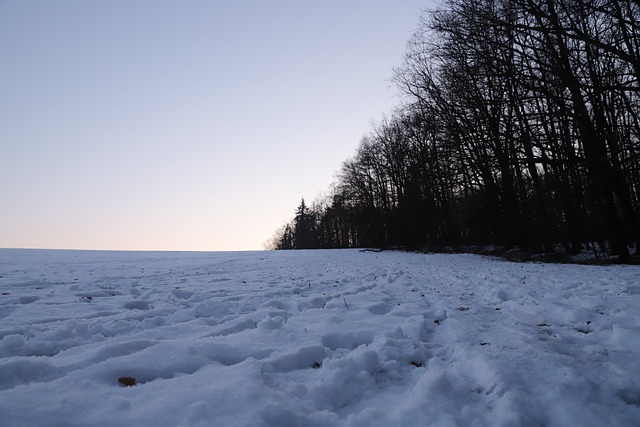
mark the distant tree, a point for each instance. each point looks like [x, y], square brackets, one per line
[305, 236]
[282, 239]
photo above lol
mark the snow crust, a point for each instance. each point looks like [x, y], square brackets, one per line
[315, 338]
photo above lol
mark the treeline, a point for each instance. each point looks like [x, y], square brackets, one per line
[520, 126]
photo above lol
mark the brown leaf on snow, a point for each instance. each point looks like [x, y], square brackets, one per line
[127, 381]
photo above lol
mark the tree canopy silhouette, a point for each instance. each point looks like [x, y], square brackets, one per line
[519, 126]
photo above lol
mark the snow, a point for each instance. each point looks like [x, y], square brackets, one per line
[315, 338]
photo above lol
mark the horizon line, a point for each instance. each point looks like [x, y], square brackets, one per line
[131, 250]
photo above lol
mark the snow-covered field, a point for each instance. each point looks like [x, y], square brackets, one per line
[315, 338]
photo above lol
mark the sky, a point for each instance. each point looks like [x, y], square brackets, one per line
[184, 125]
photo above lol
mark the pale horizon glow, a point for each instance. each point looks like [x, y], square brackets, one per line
[160, 125]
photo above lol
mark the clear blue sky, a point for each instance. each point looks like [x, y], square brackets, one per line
[183, 125]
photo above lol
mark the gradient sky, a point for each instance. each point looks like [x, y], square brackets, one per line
[183, 125]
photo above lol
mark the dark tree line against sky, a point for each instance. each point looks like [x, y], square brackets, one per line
[519, 126]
